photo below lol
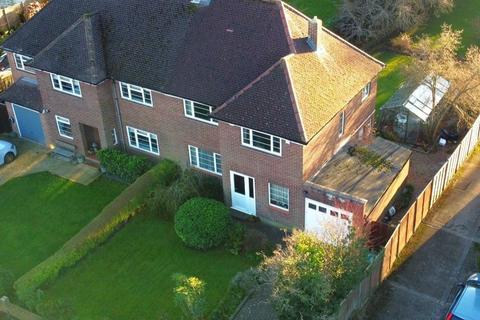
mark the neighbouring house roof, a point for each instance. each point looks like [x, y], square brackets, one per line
[25, 93]
[248, 56]
[419, 100]
[201, 53]
[348, 174]
[297, 97]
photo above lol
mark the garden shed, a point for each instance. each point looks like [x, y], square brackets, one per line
[410, 107]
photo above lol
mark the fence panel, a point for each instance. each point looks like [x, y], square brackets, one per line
[411, 221]
[402, 234]
[386, 260]
[394, 249]
[427, 195]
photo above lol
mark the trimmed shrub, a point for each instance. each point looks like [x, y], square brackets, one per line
[129, 203]
[202, 223]
[55, 309]
[235, 238]
[211, 187]
[124, 166]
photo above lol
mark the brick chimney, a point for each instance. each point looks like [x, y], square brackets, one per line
[315, 33]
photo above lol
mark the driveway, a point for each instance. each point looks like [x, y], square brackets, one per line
[34, 158]
[438, 257]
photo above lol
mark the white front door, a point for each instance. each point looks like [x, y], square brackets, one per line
[328, 222]
[243, 192]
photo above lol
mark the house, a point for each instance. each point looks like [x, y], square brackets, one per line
[410, 107]
[253, 92]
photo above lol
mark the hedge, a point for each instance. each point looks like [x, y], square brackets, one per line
[122, 165]
[112, 217]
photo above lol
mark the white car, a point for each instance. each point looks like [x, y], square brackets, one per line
[8, 152]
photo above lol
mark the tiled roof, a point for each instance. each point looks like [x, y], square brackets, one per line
[311, 90]
[25, 93]
[76, 53]
[202, 53]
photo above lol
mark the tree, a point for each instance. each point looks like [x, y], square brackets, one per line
[435, 57]
[189, 295]
[310, 277]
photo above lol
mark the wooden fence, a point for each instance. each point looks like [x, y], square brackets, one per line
[383, 264]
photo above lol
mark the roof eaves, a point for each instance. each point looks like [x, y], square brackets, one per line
[293, 96]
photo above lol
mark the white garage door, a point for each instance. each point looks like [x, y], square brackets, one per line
[327, 222]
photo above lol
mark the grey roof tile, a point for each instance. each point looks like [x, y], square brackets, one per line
[25, 93]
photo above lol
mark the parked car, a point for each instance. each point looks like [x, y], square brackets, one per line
[466, 305]
[8, 152]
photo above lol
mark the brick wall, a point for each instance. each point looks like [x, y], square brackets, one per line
[16, 73]
[325, 144]
[284, 171]
[166, 119]
[94, 108]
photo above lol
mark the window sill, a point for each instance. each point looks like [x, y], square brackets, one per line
[206, 171]
[66, 137]
[201, 120]
[261, 150]
[144, 151]
[139, 103]
[70, 94]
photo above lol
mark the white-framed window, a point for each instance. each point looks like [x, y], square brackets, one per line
[64, 127]
[21, 61]
[65, 84]
[262, 141]
[341, 128]
[143, 140]
[205, 160]
[198, 111]
[114, 137]
[366, 91]
[279, 196]
[136, 94]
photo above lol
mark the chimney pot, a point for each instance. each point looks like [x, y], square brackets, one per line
[315, 33]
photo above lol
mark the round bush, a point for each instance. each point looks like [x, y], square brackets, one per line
[202, 223]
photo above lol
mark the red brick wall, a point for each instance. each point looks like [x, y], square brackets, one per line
[94, 108]
[285, 171]
[166, 119]
[325, 144]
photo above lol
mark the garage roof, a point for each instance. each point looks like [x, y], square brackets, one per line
[25, 93]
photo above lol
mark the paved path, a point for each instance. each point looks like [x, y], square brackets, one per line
[34, 158]
[439, 256]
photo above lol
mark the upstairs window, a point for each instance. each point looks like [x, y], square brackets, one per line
[67, 85]
[198, 111]
[261, 141]
[21, 61]
[366, 91]
[143, 140]
[205, 160]
[136, 94]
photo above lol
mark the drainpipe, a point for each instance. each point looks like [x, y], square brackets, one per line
[118, 114]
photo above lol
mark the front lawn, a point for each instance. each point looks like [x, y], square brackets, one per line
[130, 277]
[40, 212]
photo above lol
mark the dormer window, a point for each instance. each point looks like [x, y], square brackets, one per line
[66, 85]
[366, 91]
[261, 141]
[21, 61]
[198, 111]
[136, 94]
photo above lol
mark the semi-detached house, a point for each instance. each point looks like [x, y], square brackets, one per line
[251, 91]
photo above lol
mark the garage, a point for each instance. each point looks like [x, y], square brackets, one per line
[328, 222]
[28, 123]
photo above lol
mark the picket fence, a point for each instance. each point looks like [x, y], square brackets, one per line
[383, 264]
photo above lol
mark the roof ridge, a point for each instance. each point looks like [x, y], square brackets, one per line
[89, 39]
[62, 35]
[294, 98]
[286, 27]
[248, 86]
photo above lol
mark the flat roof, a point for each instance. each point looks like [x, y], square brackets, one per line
[349, 174]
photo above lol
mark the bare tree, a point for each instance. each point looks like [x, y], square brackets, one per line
[436, 57]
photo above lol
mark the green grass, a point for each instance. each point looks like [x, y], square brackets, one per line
[130, 276]
[40, 212]
[391, 78]
[326, 10]
[464, 16]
